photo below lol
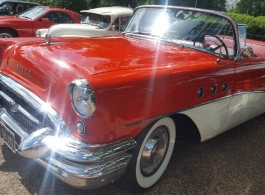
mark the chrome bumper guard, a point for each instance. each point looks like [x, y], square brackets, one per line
[81, 165]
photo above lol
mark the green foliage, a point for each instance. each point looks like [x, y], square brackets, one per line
[251, 7]
[255, 25]
[77, 5]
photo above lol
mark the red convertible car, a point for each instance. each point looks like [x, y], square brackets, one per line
[27, 23]
[97, 110]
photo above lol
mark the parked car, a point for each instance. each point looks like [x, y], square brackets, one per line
[26, 24]
[12, 7]
[103, 21]
[101, 109]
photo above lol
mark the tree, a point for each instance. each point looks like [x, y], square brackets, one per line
[251, 7]
[219, 5]
[78, 5]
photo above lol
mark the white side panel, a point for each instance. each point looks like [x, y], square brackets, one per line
[244, 107]
[209, 118]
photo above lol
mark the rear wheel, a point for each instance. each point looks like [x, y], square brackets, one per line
[5, 33]
[151, 156]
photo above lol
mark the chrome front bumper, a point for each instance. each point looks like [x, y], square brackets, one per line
[81, 165]
[50, 144]
[88, 166]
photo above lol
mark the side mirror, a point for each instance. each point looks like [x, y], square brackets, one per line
[245, 52]
[45, 21]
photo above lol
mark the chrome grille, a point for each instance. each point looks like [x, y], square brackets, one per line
[23, 120]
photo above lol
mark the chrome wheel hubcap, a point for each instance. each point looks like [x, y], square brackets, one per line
[5, 35]
[154, 150]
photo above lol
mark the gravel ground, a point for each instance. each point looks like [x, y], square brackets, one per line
[231, 163]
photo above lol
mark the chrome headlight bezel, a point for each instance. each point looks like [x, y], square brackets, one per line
[88, 97]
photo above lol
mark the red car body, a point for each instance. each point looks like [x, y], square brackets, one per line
[94, 110]
[20, 26]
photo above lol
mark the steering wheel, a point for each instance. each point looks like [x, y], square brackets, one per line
[201, 38]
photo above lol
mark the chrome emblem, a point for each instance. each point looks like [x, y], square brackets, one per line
[24, 71]
[13, 106]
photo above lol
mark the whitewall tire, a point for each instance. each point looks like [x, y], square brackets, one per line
[151, 156]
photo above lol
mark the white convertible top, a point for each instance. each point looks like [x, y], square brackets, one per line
[115, 10]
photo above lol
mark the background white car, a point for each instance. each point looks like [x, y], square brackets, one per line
[104, 21]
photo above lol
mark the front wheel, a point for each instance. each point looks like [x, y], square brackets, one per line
[151, 156]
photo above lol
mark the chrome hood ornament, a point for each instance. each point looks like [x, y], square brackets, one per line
[48, 39]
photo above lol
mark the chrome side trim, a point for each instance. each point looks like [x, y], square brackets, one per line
[191, 107]
[36, 102]
[248, 92]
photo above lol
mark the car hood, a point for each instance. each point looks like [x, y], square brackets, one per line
[43, 65]
[84, 30]
[12, 19]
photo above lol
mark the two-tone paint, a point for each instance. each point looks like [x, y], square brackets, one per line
[131, 93]
[136, 81]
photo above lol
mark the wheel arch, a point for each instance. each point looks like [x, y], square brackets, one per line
[186, 128]
[10, 29]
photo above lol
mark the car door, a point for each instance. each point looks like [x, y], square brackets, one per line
[248, 99]
[213, 85]
[210, 90]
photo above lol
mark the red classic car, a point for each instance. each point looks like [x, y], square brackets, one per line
[97, 110]
[27, 23]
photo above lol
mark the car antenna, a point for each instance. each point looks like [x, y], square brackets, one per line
[67, 5]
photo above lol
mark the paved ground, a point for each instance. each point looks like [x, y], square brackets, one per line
[232, 163]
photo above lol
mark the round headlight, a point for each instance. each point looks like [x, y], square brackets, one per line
[83, 99]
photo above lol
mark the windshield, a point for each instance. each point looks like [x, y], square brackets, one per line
[33, 13]
[190, 27]
[101, 21]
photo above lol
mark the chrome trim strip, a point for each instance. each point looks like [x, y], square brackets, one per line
[250, 91]
[36, 102]
[182, 110]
